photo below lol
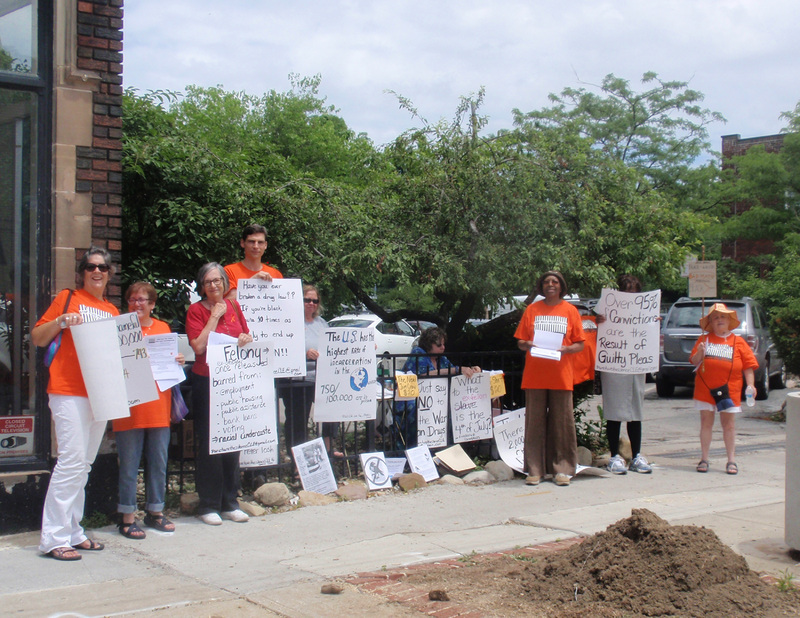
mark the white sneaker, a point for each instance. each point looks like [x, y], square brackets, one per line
[639, 464]
[617, 465]
[212, 519]
[237, 515]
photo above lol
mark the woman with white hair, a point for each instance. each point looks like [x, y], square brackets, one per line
[217, 476]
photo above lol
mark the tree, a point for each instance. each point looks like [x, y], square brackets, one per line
[661, 132]
[769, 183]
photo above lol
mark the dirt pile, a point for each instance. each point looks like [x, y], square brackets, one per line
[645, 566]
[640, 566]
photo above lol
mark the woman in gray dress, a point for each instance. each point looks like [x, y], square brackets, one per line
[623, 401]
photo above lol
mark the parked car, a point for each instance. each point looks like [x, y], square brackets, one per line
[390, 337]
[681, 329]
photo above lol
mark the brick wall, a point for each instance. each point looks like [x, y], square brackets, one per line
[99, 167]
[734, 146]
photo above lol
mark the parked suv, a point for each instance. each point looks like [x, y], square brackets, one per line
[681, 328]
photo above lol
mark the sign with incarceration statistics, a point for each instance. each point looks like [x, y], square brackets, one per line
[346, 376]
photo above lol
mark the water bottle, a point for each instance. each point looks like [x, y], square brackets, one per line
[749, 395]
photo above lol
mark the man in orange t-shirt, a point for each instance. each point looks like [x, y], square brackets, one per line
[254, 243]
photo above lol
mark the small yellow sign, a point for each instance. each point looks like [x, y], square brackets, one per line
[407, 385]
[497, 385]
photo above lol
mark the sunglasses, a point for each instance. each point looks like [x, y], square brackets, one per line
[103, 268]
[311, 301]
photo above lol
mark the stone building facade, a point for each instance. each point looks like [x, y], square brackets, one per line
[60, 193]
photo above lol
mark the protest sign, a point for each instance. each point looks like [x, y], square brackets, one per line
[407, 386]
[471, 407]
[314, 467]
[97, 345]
[421, 462]
[376, 471]
[509, 435]
[346, 376]
[396, 465]
[273, 311]
[432, 412]
[702, 278]
[242, 400]
[139, 382]
[628, 339]
[497, 384]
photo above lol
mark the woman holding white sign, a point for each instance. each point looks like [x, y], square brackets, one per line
[78, 434]
[148, 423]
[549, 330]
[623, 401]
[217, 476]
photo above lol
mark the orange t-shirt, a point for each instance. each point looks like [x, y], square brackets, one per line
[583, 361]
[152, 413]
[65, 371]
[545, 373]
[720, 353]
[240, 271]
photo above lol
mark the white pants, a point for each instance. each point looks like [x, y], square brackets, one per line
[79, 437]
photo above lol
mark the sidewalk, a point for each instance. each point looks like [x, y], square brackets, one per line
[278, 563]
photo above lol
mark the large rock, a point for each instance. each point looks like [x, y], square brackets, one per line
[500, 470]
[407, 482]
[273, 494]
[312, 498]
[585, 456]
[449, 479]
[189, 503]
[352, 491]
[252, 509]
[479, 477]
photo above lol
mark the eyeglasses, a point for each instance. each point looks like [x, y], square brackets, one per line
[138, 301]
[103, 268]
[311, 301]
[214, 282]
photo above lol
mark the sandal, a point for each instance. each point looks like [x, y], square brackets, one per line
[159, 522]
[702, 466]
[732, 468]
[93, 545]
[131, 530]
[67, 554]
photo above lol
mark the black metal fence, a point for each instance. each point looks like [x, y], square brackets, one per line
[346, 440]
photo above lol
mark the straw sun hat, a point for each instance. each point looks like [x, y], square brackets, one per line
[733, 321]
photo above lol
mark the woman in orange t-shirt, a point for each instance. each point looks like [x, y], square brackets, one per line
[148, 423]
[78, 434]
[551, 445]
[721, 358]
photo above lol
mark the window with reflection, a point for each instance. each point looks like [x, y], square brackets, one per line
[18, 40]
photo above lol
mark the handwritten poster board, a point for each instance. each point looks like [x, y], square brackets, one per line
[139, 382]
[628, 339]
[242, 400]
[99, 356]
[346, 376]
[274, 313]
[471, 407]
[509, 436]
[432, 412]
[702, 278]
[497, 384]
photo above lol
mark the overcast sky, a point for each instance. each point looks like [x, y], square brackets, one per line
[742, 54]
